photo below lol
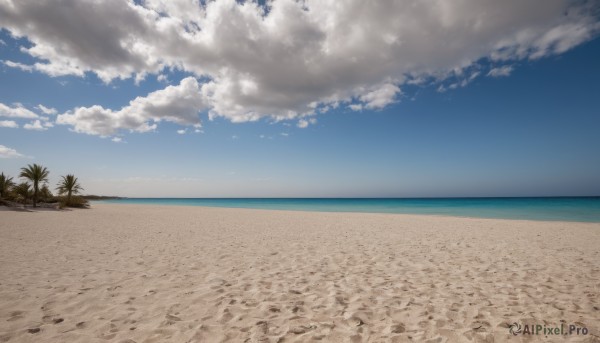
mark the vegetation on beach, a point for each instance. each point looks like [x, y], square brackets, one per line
[6, 183]
[36, 174]
[34, 189]
[69, 185]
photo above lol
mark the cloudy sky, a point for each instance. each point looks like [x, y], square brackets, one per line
[189, 98]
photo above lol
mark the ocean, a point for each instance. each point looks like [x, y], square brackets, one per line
[580, 209]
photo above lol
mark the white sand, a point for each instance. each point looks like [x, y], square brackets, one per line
[128, 273]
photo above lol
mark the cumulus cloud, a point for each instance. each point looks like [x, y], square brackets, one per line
[46, 110]
[500, 71]
[46, 122]
[16, 111]
[6, 152]
[356, 107]
[9, 123]
[287, 59]
[162, 78]
[35, 125]
[18, 65]
[303, 123]
[380, 97]
[178, 104]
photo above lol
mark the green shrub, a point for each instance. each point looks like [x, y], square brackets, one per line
[75, 202]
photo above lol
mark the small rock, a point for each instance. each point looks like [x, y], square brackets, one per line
[58, 320]
[34, 330]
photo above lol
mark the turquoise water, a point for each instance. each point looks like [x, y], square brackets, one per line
[581, 209]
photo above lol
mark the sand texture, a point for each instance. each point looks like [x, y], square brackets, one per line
[129, 273]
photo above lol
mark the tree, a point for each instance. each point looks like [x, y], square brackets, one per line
[45, 193]
[36, 174]
[23, 190]
[68, 185]
[6, 183]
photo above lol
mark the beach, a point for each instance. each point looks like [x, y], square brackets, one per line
[146, 273]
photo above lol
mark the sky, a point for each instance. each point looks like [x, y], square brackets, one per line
[315, 98]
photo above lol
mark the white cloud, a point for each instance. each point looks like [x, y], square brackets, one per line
[356, 107]
[6, 152]
[303, 123]
[178, 104]
[17, 111]
[9, 123]
[380, 97]
[287, 60]
[181, 132]
[162, 78]
[46, 122]
[18, 65]
[117, 139]
[35, 125]
[500, 71]
[46, 110]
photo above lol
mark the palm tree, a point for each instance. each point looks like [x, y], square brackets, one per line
[68, 185]
[36, 174]
[5, 184]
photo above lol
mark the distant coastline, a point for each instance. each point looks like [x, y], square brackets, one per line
[102, 197]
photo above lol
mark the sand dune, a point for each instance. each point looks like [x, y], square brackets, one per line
[128, 273]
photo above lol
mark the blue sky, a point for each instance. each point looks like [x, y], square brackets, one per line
[472, 124]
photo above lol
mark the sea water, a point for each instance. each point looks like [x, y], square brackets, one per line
[581, 209]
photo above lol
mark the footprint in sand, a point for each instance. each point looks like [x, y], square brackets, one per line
[171, 319]
[298, 330]
[15, 315]
[398, 328]
[52, 319]
[355, 321]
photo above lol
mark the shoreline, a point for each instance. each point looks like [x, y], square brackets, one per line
[102, 202]
[197, 274]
